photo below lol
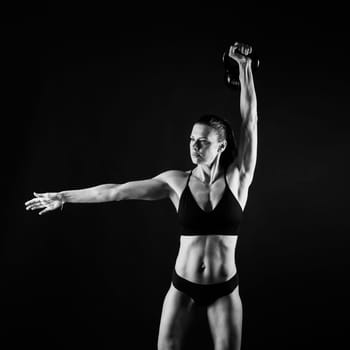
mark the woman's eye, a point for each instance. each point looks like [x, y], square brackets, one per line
[199, 141]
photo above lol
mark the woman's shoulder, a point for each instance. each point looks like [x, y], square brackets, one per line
[176, 179]
[173, 176]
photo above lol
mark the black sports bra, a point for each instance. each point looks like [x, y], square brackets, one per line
[224, 219]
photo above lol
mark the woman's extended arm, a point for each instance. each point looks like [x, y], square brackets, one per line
[150, 189]
[248, 140]
[96, 194]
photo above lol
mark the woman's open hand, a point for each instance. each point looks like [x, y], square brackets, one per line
[47, 201]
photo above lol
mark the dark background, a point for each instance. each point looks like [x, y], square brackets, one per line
[99, 95]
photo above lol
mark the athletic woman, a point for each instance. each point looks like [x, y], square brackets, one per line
[210, 200]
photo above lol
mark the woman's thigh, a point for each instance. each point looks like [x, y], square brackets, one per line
[225, 318]
[174, 319]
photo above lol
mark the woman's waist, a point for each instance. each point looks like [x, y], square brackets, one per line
[205, 262]
[205, 272]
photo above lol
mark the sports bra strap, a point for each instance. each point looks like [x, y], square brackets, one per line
[188, 179]
[225, 178]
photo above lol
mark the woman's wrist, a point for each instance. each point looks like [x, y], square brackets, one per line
[243, 71]
[62, 199]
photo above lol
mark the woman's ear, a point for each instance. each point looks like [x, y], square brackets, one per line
[222, 146]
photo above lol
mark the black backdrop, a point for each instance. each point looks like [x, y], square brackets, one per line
[95, 99]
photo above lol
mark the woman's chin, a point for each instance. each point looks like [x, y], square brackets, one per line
[196, 160]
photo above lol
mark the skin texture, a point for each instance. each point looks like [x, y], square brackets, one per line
[201, 259]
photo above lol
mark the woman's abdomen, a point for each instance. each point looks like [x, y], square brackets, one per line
[206, 259]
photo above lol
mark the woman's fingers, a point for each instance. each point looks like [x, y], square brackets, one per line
[234, 50]
[28, 202]
[34, 200]
[36, 206]
[244, 49]
[44, 211]
[38, 203]
[31, 203]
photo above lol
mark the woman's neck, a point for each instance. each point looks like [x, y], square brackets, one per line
[208, 174]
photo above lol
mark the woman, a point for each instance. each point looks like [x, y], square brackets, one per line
[210, 200]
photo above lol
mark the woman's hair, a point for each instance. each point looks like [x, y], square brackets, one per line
[225, 132]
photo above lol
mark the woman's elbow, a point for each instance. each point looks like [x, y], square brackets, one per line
[115, 193]
[107, 193]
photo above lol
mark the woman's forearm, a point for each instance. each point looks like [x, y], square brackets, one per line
[248, 101]
[96, 194]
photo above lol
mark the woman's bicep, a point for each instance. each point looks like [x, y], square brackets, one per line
[150, 189]
[247, 149]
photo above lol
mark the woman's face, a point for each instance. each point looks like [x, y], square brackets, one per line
[204, 144]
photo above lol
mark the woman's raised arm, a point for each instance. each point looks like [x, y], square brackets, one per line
[248, 140]
[150, 189]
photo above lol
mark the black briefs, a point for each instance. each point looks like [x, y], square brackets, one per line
[204, 294]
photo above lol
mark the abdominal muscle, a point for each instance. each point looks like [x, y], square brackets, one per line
[206, 259]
